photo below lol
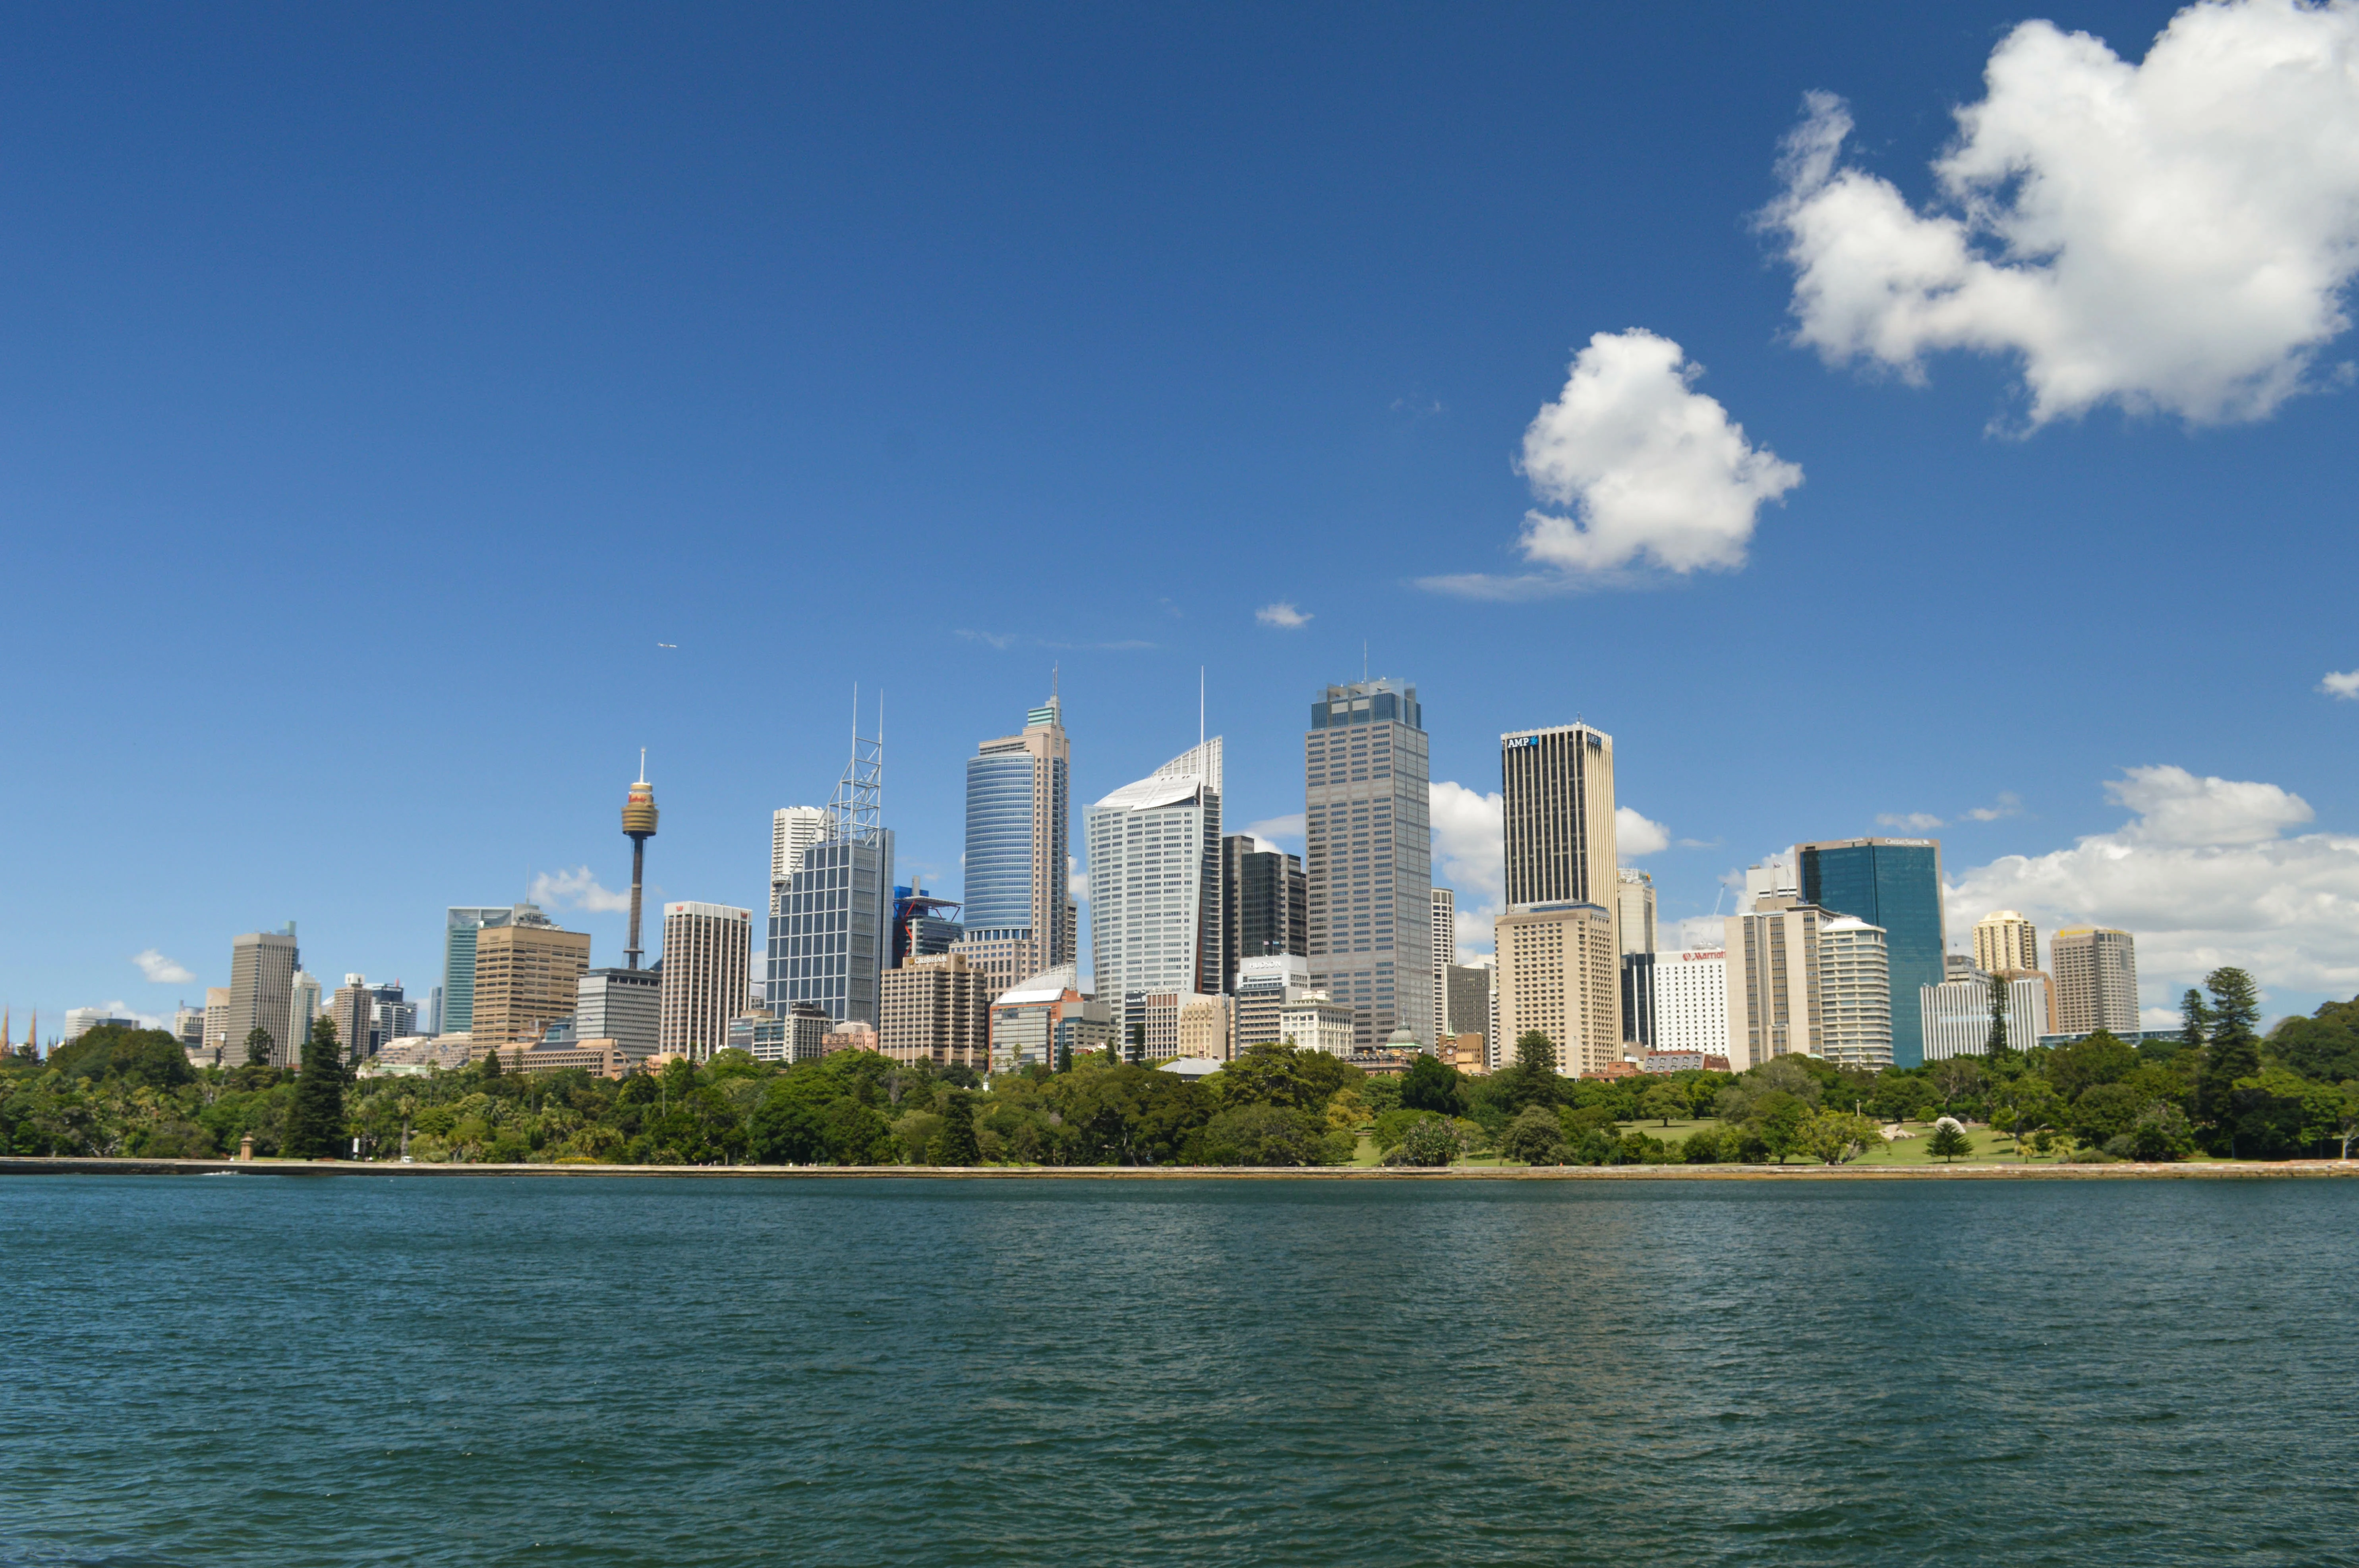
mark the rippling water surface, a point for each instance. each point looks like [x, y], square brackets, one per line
[466, 1371]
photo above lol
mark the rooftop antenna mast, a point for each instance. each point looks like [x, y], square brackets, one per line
[1199, 707]
[855, 812]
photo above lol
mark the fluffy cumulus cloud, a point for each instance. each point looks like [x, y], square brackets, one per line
[2206, 872]
[160, 970]
[1635, 838]
[1635, 468]
[2171, 235]
[1282, 614]
[2344, 685]
[1470, 853]
[576, 888]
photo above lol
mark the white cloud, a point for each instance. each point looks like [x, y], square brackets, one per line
[1914, 821]
[119, 1008]
[1635, 836]
[2170, 235]
[576, 888]
[1646, 468]
[1690, 931]
[2008, 804]
[2203, 875]
[1282, 613]
[1287, 827]
[160, 970]
[1470, 858]
[2345, 685]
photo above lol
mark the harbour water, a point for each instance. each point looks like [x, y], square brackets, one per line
[255, 1370]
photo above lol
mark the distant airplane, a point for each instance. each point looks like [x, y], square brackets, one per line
[667, 644]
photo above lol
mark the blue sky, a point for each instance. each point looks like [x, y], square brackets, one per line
[378, 390]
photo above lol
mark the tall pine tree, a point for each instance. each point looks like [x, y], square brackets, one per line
[2194, 1021]
[2233, 1051]
[315, 1122]
[956, 1144]
[1996, 1046]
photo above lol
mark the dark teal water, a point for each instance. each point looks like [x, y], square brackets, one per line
[462, 1371]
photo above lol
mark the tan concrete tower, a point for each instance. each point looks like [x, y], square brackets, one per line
[639, 826]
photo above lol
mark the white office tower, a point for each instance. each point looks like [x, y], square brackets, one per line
[793, 829]
[1854, 994]
[1692, 1000]
[1368, 857]
[1445, 954]
[1773, 965]
[1265, 985]
[622, 1005]
[705, 950]
[303, 1010]
[1958, 1014]
[2095, 968]
[1558, 976]
[1154, 886]
[1634, 910]
[1771, 878]
[2004, 940]
[831, 922]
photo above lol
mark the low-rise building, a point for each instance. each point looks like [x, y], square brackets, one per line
[800, 1036]
[1204, 1029]
[1311, 1020]
[1036, 1023]
[1957, 1014]
[850, 1036]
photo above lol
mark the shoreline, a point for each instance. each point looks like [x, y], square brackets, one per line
[82, 1165]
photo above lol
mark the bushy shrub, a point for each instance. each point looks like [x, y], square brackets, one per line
[1431, 1141]
[1535, 1137]
[2161, 1134]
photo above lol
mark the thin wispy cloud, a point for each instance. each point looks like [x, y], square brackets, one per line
[1638, 476]
[2007, 804]
[2171, 236]
[162, 971]
[1006, 640]
[1289, 826]
[1282, 614]
[1912, 821]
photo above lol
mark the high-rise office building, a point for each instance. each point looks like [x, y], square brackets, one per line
[1264, 986]
[1638, 1000]
[1019, 852]
[1692, 1000]
[1557, 806]
[217, 1052]
[1896, 884]
[1958, 1014]
[1854, 982]
[2095, 970]
[1772, 980]
[302, 1007]
[460, 925]
[188, 1028]
[262, 967]
[395, 1017]
[1368, 857]
[936, 1008]
[1154, 885]
[525, 980]
[1557, 977]
[1445, 954]
[1262, 903]
[431, 1023]
[793, 829]
[829, 925]
[706, 948]
[353, 1011]
[2005, 940]
[622, 1005]
[922, 924]
[80, 1020]
[1634, 909]
[1467, 988]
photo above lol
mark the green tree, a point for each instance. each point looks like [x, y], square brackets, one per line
[955, 1144]
[2324, 1045]
[1432, 1142]
[1996, 1047]
[1778, 1118]
[1432, 1085]
[2346, 1116]
[1536, 1137]
[1065, 1057]
[2194, 1021]
[2161, 1133]
[1949, 1140]
[2233, 1051]
[258, 1042]
[1267, 1135]
[1663, 1101]
[2031, 1106]
[492, 1063]
[2100, 1059]
[1839, 1137]
[315, 1122]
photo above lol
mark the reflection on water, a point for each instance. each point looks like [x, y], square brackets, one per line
[626, 1371]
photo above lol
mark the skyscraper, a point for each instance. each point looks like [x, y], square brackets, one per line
[525, 973]
[935, 1009]
[706, 947]
[1692, 1000]
[639, 826]
[1368, 857]
[1557, 788]
[622, 1005]
[1262, 912]
[1155, 883]
[2095, 969]
[262, 967]
[1557, 977]
[2004, 940]
[793, 829]
[1445, 954]
[1854, 994]
[1772, 988]
[302, 1007]
[1633, 926]
[1895, 883]
[395, 1017]
[461, 923]
[830, 923]
[1018, 852]
[353, 1012]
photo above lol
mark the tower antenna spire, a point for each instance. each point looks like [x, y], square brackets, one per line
[1199, 707]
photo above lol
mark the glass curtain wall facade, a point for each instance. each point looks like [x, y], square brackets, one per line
[1895, 883]
[1155, 883]
[461, 923]
[1368, 858]
[828, 930]
[1018, 899]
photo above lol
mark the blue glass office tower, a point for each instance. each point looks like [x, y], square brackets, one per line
[1895, 883]
[1018, 905]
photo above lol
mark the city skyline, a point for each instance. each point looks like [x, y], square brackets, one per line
[1360, 359]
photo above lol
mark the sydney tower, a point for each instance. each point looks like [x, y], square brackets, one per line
[638, 826]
